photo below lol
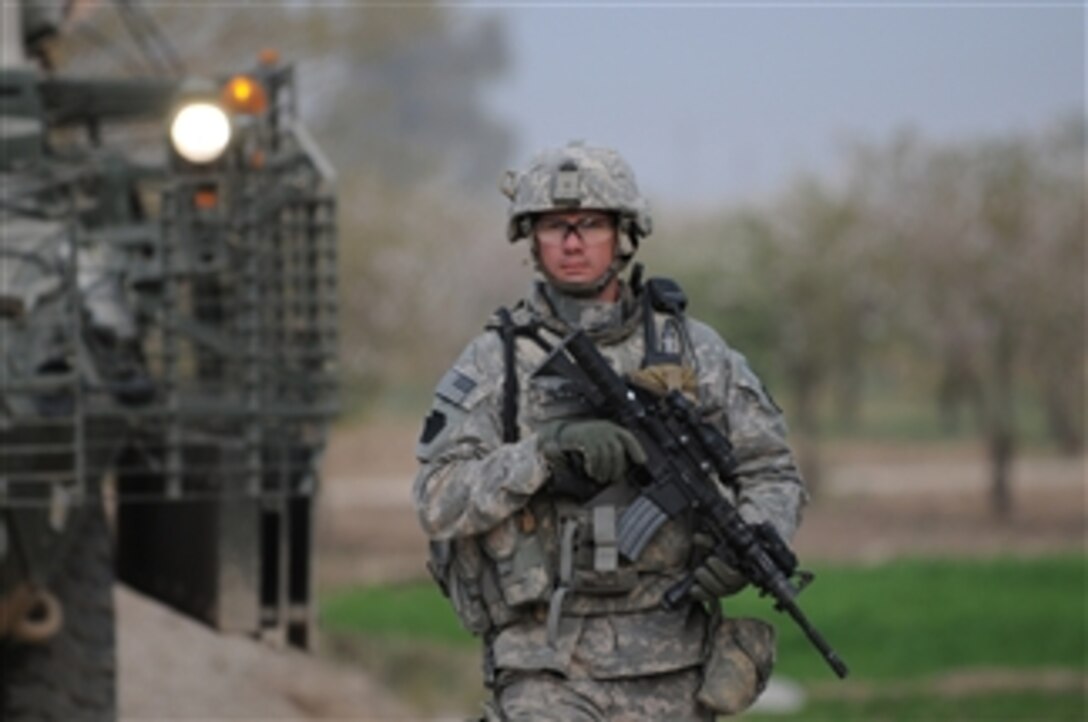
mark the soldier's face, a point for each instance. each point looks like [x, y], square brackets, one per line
[577, 246]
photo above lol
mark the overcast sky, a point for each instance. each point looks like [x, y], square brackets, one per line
[718, 101]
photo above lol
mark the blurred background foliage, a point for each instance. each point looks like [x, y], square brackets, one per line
[947, 274]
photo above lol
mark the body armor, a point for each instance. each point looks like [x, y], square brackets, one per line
[536, 572]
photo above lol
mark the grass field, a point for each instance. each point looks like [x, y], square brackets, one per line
[926, 639]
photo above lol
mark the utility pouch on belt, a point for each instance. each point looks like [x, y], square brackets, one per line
[458, 566]
[524, 569]
[741, 657]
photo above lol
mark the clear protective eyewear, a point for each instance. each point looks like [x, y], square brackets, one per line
[593, 230]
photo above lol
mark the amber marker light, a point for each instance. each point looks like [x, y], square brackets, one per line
[244, 94]
[269, 57]
[205, 199]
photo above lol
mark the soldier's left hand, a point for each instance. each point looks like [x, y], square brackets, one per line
[714, 578]
[660, 379]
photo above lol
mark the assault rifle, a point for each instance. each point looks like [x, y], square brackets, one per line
[683, 452]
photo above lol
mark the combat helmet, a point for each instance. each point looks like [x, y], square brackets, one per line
[578, 177]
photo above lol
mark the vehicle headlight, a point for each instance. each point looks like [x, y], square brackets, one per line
[200, 132]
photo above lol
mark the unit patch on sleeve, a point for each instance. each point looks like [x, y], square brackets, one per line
[432, 426]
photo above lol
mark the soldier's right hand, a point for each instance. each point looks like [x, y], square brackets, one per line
[605, 448]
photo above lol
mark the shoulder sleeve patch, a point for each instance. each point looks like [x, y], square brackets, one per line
[455, 387]
[432, 427]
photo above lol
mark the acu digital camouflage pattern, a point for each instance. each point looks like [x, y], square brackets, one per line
[544, 698]
[473, 488]
[575, 176]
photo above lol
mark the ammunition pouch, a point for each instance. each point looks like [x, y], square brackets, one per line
[492, 579]
[559, 555]
[458, 567]
[740, 657]
[523, 566]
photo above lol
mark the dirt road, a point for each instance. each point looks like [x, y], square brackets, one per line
[171, 668]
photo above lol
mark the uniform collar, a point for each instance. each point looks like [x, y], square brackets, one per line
[603, 321]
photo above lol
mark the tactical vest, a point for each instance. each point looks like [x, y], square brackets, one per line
[558, 554]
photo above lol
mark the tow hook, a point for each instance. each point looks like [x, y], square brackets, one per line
[30, 614]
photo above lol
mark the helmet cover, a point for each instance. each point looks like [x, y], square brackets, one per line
[575, 177]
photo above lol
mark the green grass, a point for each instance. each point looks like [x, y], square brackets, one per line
[416, 612]
[907, 619]
[900, 626]
[913, 618]
[1067, 706]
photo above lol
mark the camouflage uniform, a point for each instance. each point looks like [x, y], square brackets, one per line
[570, 632]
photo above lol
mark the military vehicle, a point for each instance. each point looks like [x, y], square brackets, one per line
[167, 340]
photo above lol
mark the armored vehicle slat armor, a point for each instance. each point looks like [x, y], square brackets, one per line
[167, 342]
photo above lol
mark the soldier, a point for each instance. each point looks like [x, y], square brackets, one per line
[519, 487]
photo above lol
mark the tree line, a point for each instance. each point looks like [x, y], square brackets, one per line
[959, 267]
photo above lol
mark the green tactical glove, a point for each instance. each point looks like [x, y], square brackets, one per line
[604, 447]
[714, 578]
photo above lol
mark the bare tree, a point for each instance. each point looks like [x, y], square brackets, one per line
[984, 245]
[963, 264]
[1056, 336]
